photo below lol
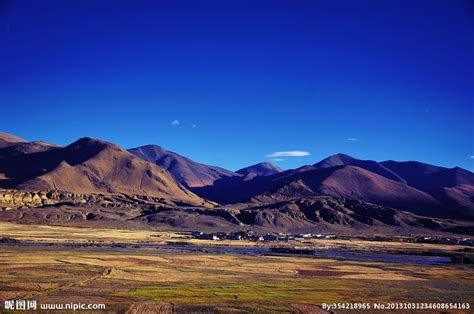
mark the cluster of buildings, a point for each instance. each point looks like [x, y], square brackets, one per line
[444, 240]
[281, 237]
[252, 236]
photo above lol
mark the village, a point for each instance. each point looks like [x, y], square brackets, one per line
[255, 237]
[302, 237]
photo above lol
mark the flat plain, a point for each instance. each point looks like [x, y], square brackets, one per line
[137, 279]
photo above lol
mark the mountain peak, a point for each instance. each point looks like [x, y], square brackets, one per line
[87, 147]
[150, 146]
[89, 143]
[335, 160]
[89, 140]
[260, 169]
[150, 153]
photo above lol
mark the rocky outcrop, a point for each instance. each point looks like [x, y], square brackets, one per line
[15, 199]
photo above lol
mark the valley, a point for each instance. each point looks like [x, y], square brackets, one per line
[147, 229]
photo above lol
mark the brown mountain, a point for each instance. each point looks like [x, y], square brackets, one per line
[91, 166]
[454, 187]
[370, 165]
[260, 169]
[184, 170]
[353, 183]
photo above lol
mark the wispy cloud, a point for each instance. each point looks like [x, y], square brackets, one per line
[352, 139]
[193, 126]
[472, 156]
[290, 153]
[174, 123]
[277, 159]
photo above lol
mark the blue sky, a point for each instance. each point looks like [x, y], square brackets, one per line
[244, 79]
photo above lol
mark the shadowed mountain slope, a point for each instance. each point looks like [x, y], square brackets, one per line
[14, 149]
[411, 171]
[184, 170]
[451, 186]
[427, 177]
[11, 145]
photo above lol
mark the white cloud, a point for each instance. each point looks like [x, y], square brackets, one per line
[193, 126]
[174, 123]
[291, 153]
[472, 156]
[277, 159]
[352, 139]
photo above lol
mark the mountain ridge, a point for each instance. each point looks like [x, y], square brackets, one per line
[184, 170]
[451, 195]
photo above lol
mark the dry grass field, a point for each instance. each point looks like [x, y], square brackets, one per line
[127, 279]
[136, 280]
[48, 233]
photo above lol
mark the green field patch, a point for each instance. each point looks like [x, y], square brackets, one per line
[287, 292]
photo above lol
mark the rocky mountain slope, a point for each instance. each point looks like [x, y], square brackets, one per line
[308, 214]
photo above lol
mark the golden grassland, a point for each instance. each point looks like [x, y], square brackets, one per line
[47, 233]
[141, 279]
[125, 278]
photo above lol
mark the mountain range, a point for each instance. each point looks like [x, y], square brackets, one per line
[337, 191]
[427, 190]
